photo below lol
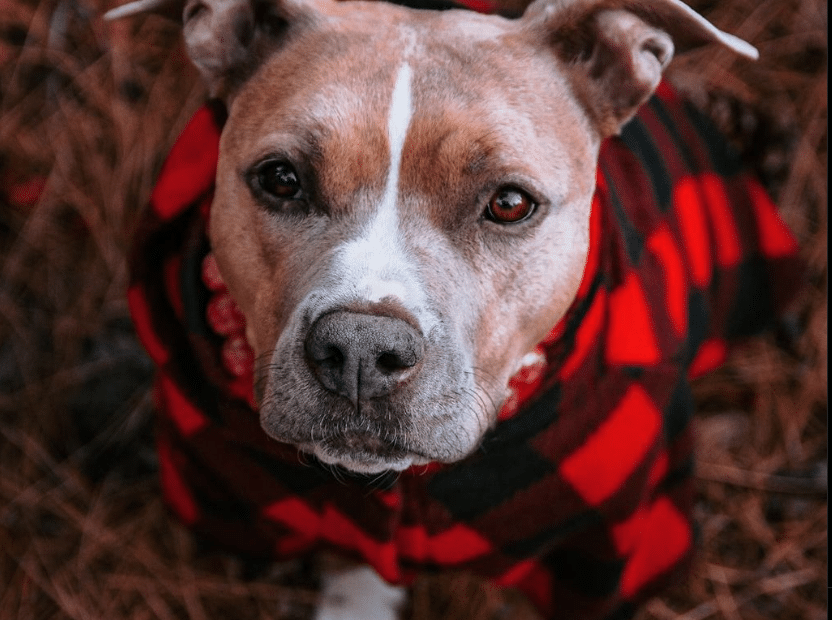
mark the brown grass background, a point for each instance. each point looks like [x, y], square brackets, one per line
[87, 112]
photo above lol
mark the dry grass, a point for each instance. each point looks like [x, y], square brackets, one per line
[87, 111]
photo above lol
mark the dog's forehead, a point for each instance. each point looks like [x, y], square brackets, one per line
[381, 18]
[349, 61]
[478, 86]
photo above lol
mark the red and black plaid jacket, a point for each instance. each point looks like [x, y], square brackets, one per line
[581, 495]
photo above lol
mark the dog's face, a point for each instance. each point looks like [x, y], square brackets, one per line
[402, 202]
[400, 189]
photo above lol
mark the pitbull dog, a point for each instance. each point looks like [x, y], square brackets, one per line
[402, 200]
[385, 179]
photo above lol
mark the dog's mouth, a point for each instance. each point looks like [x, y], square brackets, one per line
[363, 453]
[369, 392]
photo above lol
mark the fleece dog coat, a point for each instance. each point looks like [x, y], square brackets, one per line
[581, 494]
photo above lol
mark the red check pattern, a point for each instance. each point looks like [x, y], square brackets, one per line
[581, 496]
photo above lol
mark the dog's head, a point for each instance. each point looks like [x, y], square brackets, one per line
[402, 199]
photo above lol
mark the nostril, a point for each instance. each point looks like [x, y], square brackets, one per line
[332, 357]
[391, 361]
[325, 352]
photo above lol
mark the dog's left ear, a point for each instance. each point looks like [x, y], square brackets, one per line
[223, 36]
[615, 51]
[219, 35]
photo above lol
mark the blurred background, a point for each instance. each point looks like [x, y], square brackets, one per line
[88, 110]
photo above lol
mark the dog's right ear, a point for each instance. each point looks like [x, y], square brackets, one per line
[222, 36]
[614, 51]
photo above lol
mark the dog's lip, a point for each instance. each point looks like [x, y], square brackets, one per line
[363, 453]
[362, 445]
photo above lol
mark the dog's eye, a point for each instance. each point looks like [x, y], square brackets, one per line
[278, 179]
[509, 206]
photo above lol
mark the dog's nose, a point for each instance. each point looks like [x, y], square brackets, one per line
[363, 356]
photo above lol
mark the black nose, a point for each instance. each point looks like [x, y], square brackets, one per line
[362, 356]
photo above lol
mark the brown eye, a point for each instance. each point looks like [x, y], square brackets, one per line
[279, 180]
[509, 206]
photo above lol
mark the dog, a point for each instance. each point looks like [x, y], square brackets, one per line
[434, 342]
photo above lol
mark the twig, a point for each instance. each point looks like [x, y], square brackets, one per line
[770, 483]
[769, 586]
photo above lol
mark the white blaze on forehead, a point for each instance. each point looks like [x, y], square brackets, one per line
[375, 265]
[376, 257]
[398, 121]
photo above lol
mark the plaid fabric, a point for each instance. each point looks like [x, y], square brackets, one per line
[581, 496]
